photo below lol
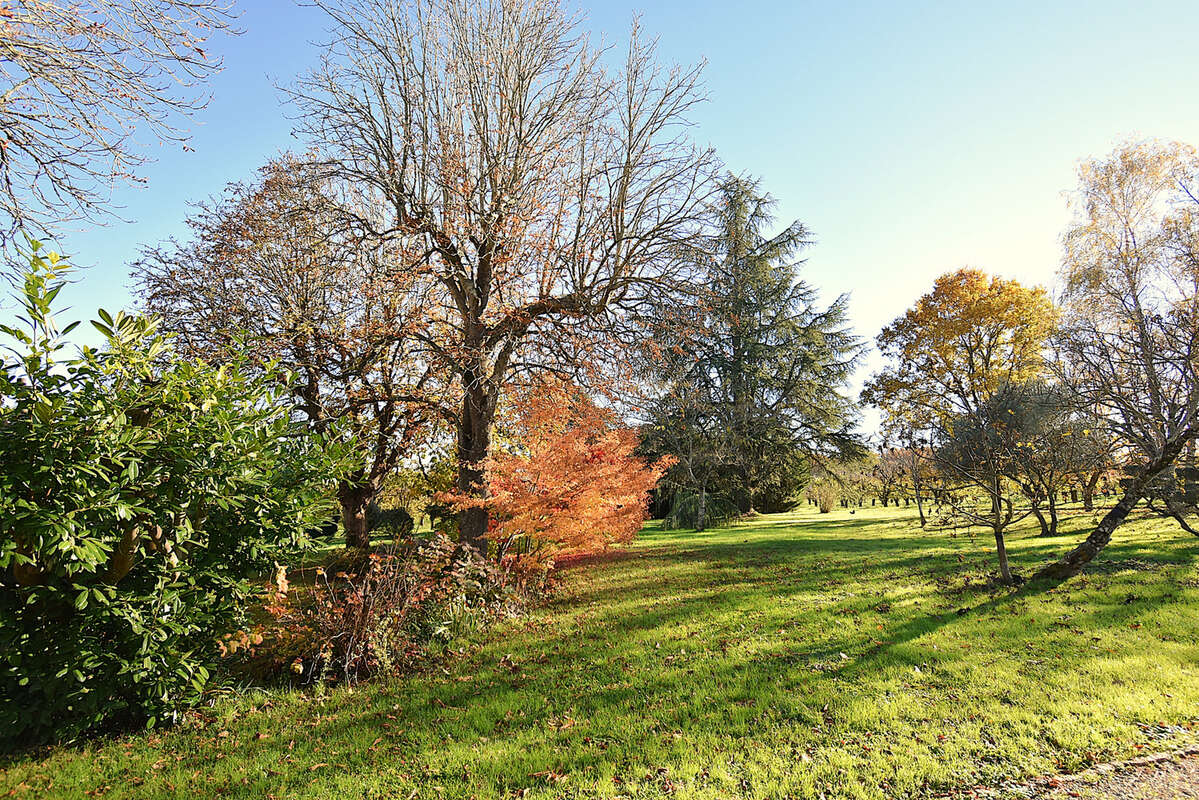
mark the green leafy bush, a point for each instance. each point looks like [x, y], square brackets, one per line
[138, 493]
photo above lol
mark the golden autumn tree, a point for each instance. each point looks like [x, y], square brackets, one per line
[567, 479]
[951, 358]
[959, 345]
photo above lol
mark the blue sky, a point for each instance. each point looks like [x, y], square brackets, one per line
[913, 138]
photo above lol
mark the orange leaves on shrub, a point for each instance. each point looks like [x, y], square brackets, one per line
[568, 480]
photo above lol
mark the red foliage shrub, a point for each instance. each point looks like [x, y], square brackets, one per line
[568, 480]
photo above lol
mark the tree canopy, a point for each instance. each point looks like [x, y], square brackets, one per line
[959, 344]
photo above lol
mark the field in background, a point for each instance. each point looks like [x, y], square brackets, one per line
[805, 655]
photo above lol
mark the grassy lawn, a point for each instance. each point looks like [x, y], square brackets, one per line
[799, 655]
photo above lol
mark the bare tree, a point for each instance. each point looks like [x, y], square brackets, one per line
[79, 80]
[548, 197]
[891, 474]
[1130, 345]
[277, 269]
[914, 456]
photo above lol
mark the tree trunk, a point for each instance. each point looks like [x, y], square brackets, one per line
[354, 498]
[1036, 510]
[701, 512]
[474, 445]
[123, 555]
[1052, 516]
[997, 523]
[1000, 547]
[916, 490]
[1088, 491]
[1073, 562]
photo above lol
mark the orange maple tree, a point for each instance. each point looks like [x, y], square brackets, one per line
[566, 479]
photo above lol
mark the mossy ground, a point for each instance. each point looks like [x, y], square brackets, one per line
[800, 655]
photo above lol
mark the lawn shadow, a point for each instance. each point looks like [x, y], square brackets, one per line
[681, 639]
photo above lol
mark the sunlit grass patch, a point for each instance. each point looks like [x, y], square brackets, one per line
[800, 655]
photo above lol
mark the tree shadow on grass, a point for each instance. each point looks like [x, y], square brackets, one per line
[678, 645]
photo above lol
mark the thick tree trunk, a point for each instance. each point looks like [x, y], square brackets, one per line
[701, 512]
[1052, 516]
[354, 498]
[474, 445]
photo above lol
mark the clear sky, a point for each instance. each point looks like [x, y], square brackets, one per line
[913, 138]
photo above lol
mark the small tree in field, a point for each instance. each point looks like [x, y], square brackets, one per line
[950, 357]
[891, 475]
[1053, 446]
[975, 454]
[912, 457]
[824, 489]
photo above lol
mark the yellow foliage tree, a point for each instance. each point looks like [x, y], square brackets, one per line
[951, 355]
[961, 342]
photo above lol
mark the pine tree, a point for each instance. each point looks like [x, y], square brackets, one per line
[772, 363]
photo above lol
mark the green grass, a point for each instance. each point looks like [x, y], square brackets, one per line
[803, 655]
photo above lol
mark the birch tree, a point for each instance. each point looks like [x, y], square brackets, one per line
[1129, 348]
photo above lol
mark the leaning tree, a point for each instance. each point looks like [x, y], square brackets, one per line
[547, 196]
[1129, 349]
